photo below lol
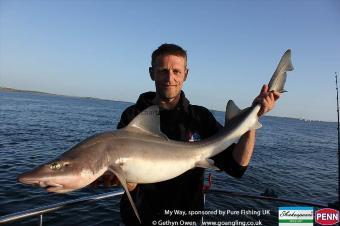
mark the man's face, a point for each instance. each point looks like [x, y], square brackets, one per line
[169, 73]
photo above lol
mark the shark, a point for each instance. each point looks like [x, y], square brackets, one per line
[140, 153]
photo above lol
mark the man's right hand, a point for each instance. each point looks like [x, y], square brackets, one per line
[108, 179]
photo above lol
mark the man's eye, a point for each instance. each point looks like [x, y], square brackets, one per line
[177, 72]
[163, 71]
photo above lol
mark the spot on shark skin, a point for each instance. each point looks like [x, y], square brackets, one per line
[86, 173]
[88, 176]
[120, 161]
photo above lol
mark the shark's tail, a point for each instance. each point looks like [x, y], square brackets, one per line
[238, 122]
[278, 80]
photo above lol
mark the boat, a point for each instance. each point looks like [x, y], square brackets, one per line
[39, 212]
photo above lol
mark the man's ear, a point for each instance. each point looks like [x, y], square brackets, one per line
[151, 74]
[186, 74]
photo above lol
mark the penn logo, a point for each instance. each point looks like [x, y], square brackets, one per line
[327, 216]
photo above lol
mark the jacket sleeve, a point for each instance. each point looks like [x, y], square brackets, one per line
[224, 160]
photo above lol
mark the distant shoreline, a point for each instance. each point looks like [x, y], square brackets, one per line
[7, 89]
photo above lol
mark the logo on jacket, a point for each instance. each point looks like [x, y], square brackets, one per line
[193, 136]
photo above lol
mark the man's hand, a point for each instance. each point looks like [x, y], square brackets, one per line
[266, 99]
[108, 179]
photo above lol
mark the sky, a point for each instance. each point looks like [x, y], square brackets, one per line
[103, 49]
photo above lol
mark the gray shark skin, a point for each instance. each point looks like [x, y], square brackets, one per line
[141, 153]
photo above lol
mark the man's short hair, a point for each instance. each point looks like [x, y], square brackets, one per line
[168, 49]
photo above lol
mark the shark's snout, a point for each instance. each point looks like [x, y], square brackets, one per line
[29, 179]
[25, 178]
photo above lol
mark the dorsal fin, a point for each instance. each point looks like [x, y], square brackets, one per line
[148, 121]
[232, 110]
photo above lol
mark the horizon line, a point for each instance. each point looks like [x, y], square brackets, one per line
[10, 89]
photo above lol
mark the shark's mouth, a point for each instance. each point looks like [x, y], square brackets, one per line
[54, 187]
[48, 185]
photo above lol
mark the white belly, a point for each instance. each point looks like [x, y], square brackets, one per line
[143, 171]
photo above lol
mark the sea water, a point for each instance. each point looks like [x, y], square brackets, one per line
[295, 158]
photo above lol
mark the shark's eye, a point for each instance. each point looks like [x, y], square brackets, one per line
[55, 166]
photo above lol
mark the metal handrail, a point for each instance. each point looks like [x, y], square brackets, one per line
[62, 205]
[54, 207]
[268, 198]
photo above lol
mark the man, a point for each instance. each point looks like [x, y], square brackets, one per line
[183, 122]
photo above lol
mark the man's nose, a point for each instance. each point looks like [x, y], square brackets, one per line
[168, 75]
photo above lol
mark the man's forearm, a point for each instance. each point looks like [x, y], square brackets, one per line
[243, 150]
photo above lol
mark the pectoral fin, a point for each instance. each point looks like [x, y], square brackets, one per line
[121, 177]
[207, 163]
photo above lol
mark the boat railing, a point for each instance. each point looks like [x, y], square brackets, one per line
[40, 211]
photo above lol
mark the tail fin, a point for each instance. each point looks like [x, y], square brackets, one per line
[278, 79]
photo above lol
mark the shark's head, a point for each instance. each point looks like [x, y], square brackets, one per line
[75, 168]
[60, 175]
[63, 174]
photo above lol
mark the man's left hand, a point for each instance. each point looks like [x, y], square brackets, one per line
[267, 100]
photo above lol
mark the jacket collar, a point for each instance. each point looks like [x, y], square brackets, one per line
[145, 100]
